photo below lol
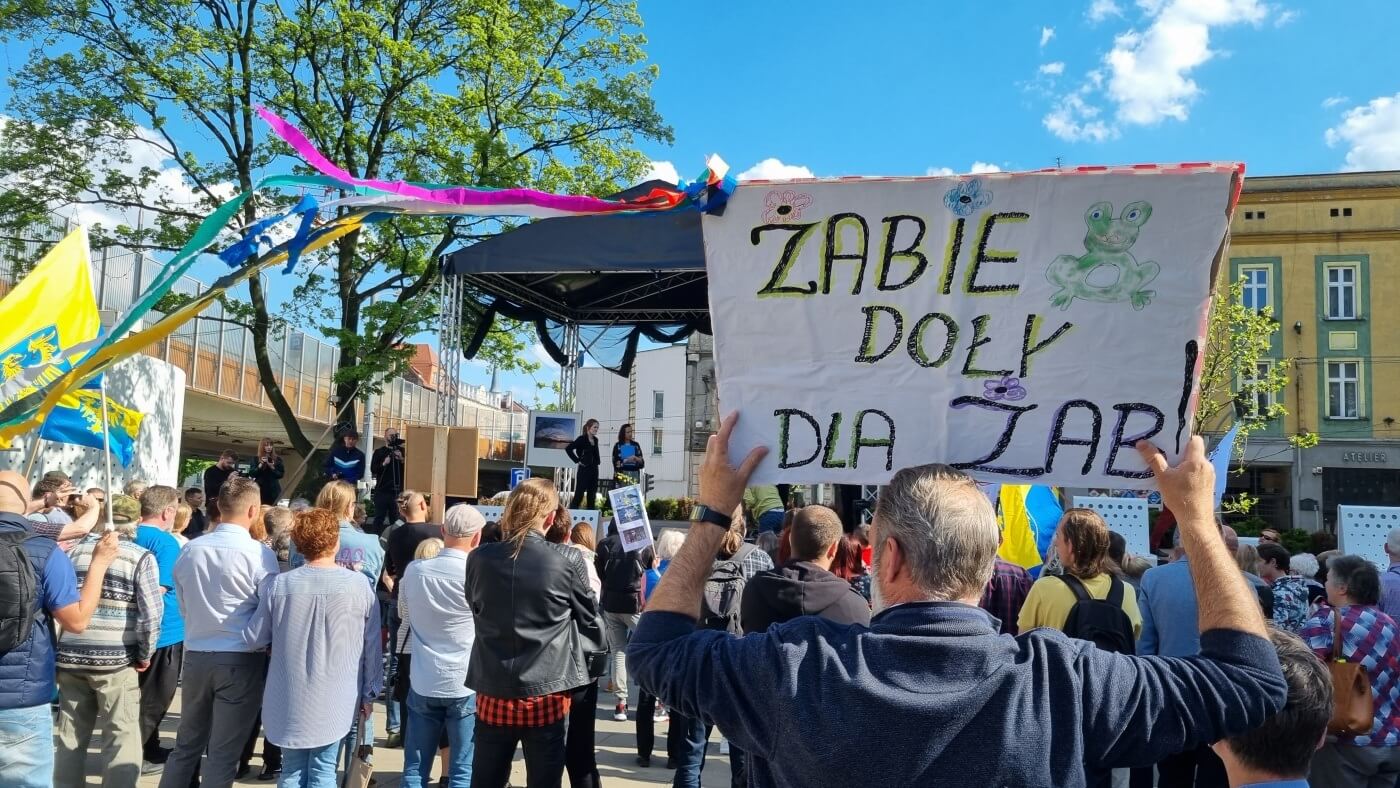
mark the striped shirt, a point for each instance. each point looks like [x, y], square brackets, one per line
[1371, 638]
[326, 653]
[126, 624]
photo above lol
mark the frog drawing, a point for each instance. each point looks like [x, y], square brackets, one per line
[1107, 272]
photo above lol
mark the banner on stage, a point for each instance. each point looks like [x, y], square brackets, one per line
[1024, 328]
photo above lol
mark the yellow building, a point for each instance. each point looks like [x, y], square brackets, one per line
[1324, 252]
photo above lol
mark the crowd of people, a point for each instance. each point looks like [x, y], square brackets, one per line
[776, 624]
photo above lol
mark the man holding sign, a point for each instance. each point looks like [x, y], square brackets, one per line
[1039, 709]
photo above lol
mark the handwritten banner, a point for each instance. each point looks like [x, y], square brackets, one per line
[1027, 327]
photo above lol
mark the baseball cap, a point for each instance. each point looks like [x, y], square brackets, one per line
[125, 509]
[462, 520]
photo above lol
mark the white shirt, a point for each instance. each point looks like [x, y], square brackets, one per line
[216, 581]
[441, 630]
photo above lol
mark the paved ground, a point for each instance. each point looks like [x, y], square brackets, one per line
[617, 752]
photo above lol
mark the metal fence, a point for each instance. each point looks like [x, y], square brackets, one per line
[218, 356]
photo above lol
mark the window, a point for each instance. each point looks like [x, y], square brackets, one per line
[656, 440]
[1258, 401]
[1341, 291]
[1335, 212]
[1249, 215]
[658, 404]
[1346, 212]
[1343, 389]
[1255, 295]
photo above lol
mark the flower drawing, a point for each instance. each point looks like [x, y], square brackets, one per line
[780, 207]
[967, 196]
[1007, 388]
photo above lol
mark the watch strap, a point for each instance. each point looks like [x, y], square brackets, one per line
[704, 514]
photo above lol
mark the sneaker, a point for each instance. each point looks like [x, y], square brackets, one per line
[149, 768]
[395, 740]
[723, 746]
[268, 775]
[243, 771]
[660, 715]
[620, 713]
[644, 761]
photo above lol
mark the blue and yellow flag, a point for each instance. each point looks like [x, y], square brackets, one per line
[1029, 514]
[48, 322]
[78, 420]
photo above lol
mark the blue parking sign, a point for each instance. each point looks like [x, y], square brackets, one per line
[518, 475]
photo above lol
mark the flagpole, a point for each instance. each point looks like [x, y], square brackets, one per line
[33, 454]
[107, 452]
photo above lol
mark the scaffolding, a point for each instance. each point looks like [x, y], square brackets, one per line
[449, 372]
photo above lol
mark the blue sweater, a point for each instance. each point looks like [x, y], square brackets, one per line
[946, 699]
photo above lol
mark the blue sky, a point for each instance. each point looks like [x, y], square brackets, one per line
[913, 88]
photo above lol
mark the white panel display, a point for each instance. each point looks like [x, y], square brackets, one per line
[1361, 530]
[1127, 516]
[590, 516]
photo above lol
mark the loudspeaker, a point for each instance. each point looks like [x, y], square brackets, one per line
[441, 461]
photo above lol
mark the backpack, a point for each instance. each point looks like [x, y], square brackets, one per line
[1100, 621]
[724, 590]
[18, 594]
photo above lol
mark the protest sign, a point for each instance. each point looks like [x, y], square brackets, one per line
[630, 513]
[1027, 327]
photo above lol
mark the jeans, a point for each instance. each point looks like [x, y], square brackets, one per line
[85, 697]
[544, 754]
[771, 520]
[26, 747]
[309, 768]
[427, 717]
[619, 629]
[690, 754]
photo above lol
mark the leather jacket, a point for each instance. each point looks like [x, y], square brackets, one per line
[535, 617]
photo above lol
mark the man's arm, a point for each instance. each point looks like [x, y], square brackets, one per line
[74, 618]
[1224, 599]
[372, 657]
[150, 604]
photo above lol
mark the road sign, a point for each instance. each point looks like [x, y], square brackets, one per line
[518, 475]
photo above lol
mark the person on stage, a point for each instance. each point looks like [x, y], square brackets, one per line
[387, 467]
[627, 453]
[268, 473]
[584, 451]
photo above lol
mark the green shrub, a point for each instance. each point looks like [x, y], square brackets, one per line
[1296, 540]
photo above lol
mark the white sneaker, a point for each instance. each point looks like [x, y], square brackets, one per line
[660, 715]
[620, 712]
[723, 746]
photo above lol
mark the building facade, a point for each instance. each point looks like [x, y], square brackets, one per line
[653, 400]
[1323, 251]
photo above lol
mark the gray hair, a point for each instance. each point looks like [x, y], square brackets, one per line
[1304, 564]
[669, 542]
[944, 526]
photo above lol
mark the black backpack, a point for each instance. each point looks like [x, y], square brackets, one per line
[1100, 621]
[17, 591]
[724, 590]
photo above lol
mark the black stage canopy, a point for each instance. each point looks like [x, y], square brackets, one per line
[617, 278]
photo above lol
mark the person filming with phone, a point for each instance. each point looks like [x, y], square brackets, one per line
[268, 472]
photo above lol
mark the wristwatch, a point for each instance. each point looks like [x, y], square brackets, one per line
[704, 514]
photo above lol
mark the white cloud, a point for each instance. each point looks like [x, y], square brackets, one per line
[1052, 69]
[1148, 77]
[1332, 101]
[977, 168]
[662, 170]
[775, 170]
[1100, 10]
[1286, 17]
[542, 356]
[1075, 120]
[1371, 134]
[1046, 33]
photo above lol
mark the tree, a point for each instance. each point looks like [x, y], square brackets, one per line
[485, 92]
[1237, 339]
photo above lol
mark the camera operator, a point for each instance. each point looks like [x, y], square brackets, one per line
[387, 467]
[267, 472]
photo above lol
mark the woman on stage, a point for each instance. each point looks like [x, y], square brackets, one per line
[627, 453]
[584, 451]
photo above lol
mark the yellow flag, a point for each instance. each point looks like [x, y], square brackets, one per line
[48, 321]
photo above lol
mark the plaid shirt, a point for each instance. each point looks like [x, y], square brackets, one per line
[753, 562]
[535, 712]
[1373, 639]
[1005, 594]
